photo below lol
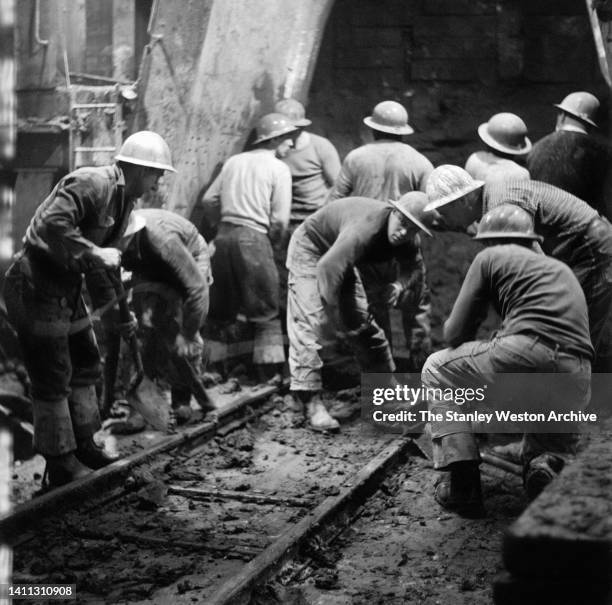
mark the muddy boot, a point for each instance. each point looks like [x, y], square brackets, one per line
[539, 472]
[63, 469]
[318, 416]
[459, 490]
[93, 455]
[182, 413]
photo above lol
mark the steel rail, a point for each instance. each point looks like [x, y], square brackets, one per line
[27, 515]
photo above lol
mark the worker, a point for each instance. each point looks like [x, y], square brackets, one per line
[253, 190]
[505, 137]
[544, 330]
[75, 231]
[574, 157]
[314, 164]
[171, 275]
[324, 286]
[386, 169]
[573, 232]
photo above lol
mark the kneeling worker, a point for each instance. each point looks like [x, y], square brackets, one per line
[545, 328]
[324, 284]
[171, 270]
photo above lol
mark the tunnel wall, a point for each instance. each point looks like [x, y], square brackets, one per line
[452, 64]
[215, 67]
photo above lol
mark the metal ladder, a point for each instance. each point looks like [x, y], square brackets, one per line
[75, 148]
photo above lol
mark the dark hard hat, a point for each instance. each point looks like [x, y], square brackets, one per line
[506, 221]
[390, 117]
[506, 132]
[581, 105]
[294, 110]
[412, 206]
[273, 125]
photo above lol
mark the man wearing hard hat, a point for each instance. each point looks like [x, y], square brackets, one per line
[505, 137]
[253, 191]
[386, 169]
[573, 232]
[574, 157]
[324, 286]
[544, 330]
[74, 233]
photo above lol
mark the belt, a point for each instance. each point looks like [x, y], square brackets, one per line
[555, 346]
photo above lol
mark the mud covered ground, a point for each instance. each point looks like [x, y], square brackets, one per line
[405, 549]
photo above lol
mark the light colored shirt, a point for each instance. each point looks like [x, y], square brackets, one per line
[314, 165]
[383, 170]
[490, 168]
[254, 190]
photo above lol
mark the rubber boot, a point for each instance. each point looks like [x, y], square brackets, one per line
[459, 490]
[85, 415]
[93, 455]
[63, 469]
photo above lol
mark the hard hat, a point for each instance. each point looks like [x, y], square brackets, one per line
[146, 148]
[506, 132]
[412, 206]
[273, 125]
[448, 183]
[391, 117]
[136, 223]
[506, 221]
[581, 105]
[294, 110]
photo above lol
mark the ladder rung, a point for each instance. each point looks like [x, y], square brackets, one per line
[92, 105]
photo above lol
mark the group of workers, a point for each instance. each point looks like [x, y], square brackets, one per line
[343, 241]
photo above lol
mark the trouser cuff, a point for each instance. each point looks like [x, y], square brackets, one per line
[458, 447]
[84, 411]
[53, 432]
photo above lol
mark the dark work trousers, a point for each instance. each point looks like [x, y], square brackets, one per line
[494, 365]
[246, 281]
[592, 264]
[46, 307]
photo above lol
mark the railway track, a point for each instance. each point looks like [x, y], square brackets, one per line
[208, 514]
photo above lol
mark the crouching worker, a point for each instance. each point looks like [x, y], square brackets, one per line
[171, 275]
[324, 285]
[75, 232]
[545, 329]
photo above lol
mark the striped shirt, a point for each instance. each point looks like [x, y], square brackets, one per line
[559, 217]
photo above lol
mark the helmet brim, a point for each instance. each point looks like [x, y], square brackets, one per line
[411, 217]
[274, 135]
[149, 164]
[483, 133]
[508, 235]
[575, 115]
[302, 123]
[407, 129]
[451, 197]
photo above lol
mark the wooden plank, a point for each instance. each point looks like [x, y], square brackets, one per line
[238, 589]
